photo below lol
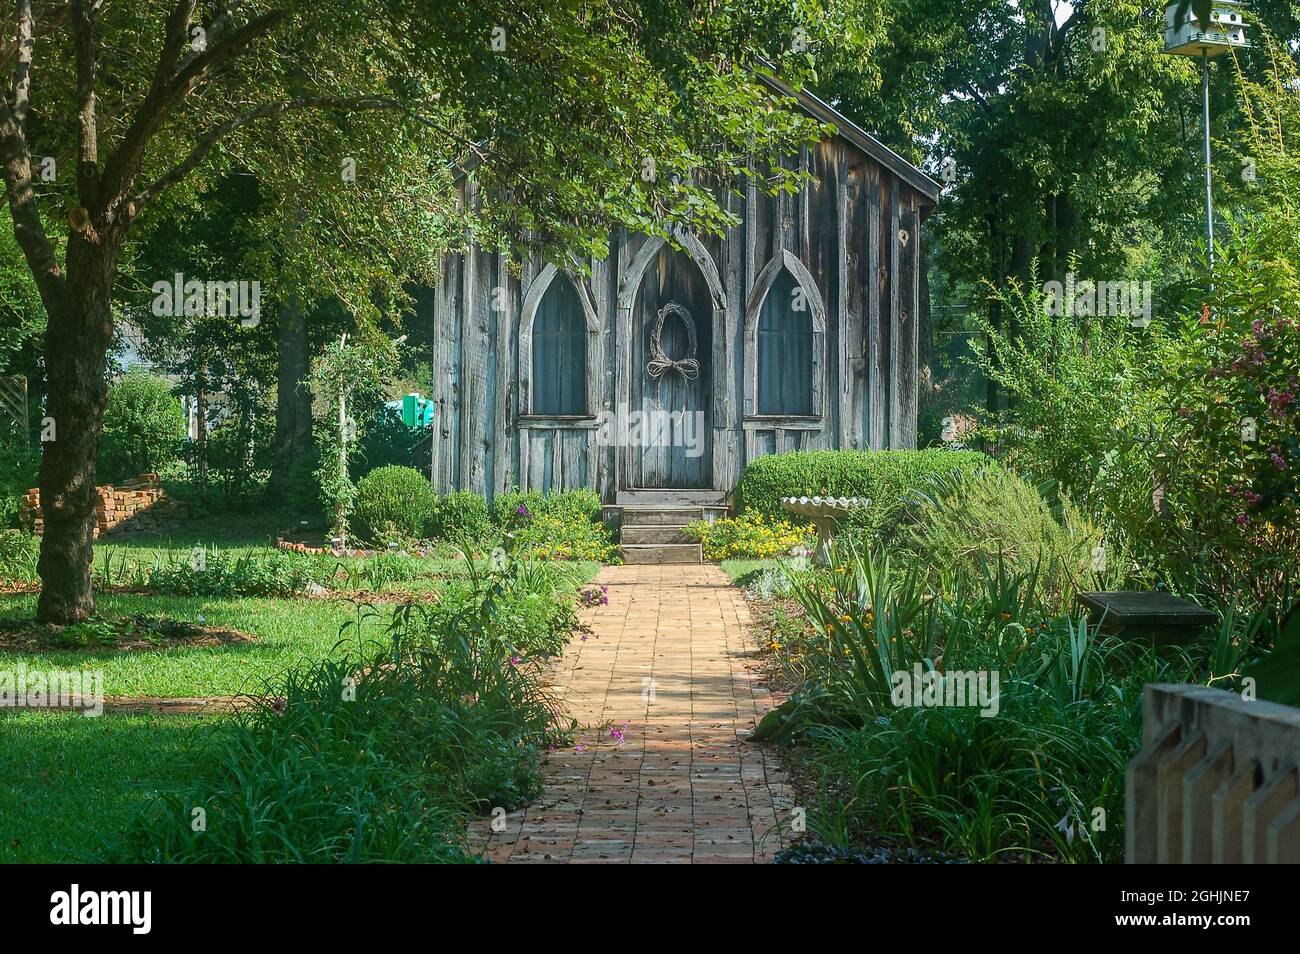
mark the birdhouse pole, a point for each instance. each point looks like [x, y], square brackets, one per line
[1205, 123]
[1188, 33]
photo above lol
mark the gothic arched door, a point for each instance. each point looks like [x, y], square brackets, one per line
[670, 444]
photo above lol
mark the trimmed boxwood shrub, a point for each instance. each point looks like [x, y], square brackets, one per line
[393, 499]
[883, 477]
[144, 428]
[462, 516]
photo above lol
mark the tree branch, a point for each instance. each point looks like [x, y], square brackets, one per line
[54, 22]
[21, 93]
[123, 167]
[209, 139]
[174, 37]
[214, 30]
[37, 248]
[87, 57]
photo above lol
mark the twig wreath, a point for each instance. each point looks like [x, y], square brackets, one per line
[687, 365]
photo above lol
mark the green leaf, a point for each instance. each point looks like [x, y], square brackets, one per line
[1277, 675]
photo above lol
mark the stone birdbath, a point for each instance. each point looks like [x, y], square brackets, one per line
[824, 512]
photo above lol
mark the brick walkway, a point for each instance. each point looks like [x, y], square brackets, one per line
[668, 657]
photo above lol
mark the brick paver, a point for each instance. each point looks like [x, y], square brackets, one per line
[668, 657]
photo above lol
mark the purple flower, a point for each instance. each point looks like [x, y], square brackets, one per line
[523, 511]
[1277, 460]
[1244, 519]
[516, 660]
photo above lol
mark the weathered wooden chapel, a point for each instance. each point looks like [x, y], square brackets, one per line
[655, 380]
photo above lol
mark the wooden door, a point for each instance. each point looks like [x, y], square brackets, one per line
[672, 377]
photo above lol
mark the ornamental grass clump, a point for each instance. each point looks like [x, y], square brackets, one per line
[1031, 765]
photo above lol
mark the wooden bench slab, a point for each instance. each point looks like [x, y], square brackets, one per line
[1161, 616]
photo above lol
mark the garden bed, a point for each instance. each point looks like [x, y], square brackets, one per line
[135, 633]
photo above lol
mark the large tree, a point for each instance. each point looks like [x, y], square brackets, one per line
[1067, 138]
[573, 114]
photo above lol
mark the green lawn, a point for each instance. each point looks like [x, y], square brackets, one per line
[289, 632]
[741, 571]
[71, 783]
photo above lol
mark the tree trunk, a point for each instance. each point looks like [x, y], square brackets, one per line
[293, 440]
[201, 424]
[77, 337]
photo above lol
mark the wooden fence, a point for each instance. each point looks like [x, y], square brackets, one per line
[1215, 782]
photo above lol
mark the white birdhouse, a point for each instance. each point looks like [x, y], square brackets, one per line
[1227, 30]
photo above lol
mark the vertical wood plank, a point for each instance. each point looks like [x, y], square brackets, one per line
[727, 422]
[478, 319]
[844, 378]
[598, 472]
[444, 362]
[895, 319]
[908, 339]
[857, 288]
[878, 318]
[504, 376]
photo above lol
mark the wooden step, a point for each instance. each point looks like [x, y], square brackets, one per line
[670, 498]
[660, 553]
[667, 533]
[661, 516]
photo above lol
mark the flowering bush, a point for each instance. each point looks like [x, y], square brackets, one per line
[563, 526]
[1228, 470]
[1179, 439]
[749, 535]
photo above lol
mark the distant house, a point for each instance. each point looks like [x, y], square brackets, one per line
[668, 370]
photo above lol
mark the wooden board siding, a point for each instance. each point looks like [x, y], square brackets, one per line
[880, 321]
[839, 238]
[446, 387]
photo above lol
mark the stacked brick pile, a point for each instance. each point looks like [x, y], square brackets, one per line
[138, 505]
